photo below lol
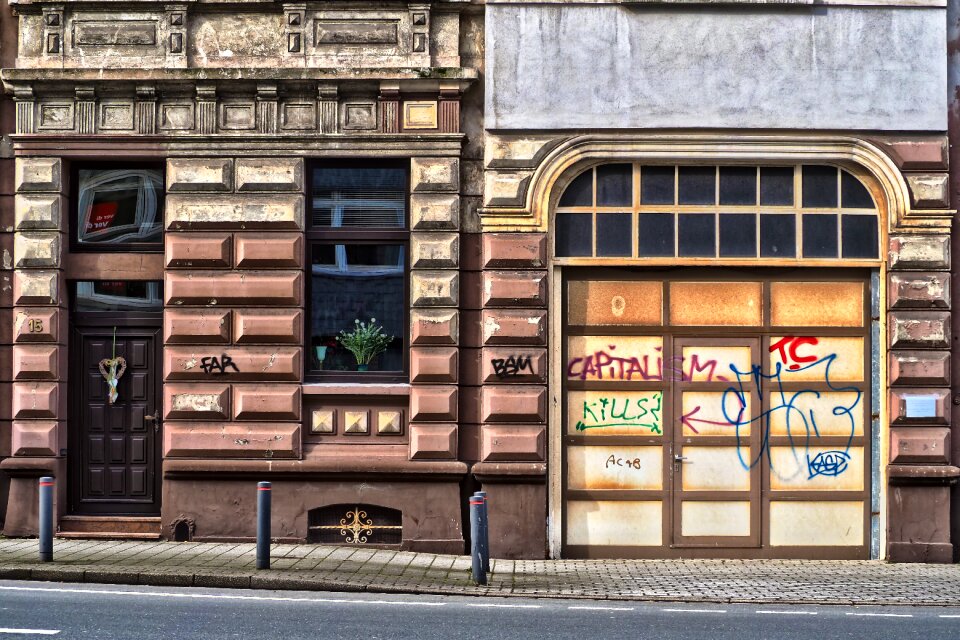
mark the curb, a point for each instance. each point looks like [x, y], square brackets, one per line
[279, 582]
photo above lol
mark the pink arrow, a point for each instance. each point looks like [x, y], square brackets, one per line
[688, 420]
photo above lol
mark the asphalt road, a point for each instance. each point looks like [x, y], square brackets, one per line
[55, 610]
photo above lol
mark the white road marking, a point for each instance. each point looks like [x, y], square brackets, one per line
[949, 615]
[790, 613]
[214, 596]
[881, 615]
[695, 610]
[600, 608]
[503, 606]
[38, 632]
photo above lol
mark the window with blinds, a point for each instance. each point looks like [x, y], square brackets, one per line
[359, 197]
[357, 259]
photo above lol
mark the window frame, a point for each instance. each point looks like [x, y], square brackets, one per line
[73, 226]
[357, 236]
[675, 209]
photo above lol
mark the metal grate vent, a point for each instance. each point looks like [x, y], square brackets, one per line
[355, 524]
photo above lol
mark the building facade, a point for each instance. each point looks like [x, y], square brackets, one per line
[664, 280]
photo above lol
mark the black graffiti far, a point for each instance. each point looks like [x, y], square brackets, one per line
[511, 366]
[218, 366]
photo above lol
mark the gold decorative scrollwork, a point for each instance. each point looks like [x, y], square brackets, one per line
[356, 523]
[356, 527]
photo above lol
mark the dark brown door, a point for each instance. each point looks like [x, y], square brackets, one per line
[115, 449]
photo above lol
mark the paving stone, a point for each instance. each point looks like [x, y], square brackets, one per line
[368, 569]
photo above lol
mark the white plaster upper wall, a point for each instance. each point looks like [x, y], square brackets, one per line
[608, 66]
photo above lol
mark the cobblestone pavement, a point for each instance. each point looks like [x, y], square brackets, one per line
[376, 570]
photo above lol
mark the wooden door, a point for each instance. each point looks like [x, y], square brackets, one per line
[716, 443]
[115, 452]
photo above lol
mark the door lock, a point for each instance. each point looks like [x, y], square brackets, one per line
[155, 419]
[677, 461]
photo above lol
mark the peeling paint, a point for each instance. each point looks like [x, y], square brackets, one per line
[271, 361]
[490, 327]
[197, 402]
[7, 259]
[18, 322]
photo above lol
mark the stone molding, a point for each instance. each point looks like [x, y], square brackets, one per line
[524, 174]
[435, 297]
[256, 105]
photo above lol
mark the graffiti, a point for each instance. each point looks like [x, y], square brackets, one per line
[828, 463]
[801, 425]
[217, 366]
[512, 366]
[788, 345]
[605, 365]
[605, 412]
[689, 421]
[617, 461]
[797, 396]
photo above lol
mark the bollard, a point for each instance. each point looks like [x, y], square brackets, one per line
[476, 561]
[263, 525]
[46, 519]
[484, 531]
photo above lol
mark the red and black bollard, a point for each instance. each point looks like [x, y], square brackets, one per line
[485, 531]
[477, 523]
[263, 525]
[46, 519]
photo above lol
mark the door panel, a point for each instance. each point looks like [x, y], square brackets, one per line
[115, 448]
[716, 481]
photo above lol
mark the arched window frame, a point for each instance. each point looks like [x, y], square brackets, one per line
[568, 241]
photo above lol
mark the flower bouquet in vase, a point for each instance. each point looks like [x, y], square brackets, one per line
[366, 341]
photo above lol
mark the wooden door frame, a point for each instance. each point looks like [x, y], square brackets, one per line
[149, 322]
[562, 275]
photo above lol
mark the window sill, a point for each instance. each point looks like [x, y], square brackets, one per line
[355, 389]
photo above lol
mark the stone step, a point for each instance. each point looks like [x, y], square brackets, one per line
[105, 535]
[139, 528]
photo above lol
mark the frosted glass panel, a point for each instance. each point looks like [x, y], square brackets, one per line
[605, 523]
[715, 518]
[715, 469]
[627, 468]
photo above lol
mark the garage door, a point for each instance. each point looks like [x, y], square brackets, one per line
[716, 414]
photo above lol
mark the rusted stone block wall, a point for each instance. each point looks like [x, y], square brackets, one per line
[435, 294]
[233, 317]
[505, 361]
[37, 361]
[919, 338]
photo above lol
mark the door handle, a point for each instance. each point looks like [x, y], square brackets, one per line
[155, 419]
[679, 458]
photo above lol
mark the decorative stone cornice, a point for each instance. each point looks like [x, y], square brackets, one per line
[520, 197]
[155, 104]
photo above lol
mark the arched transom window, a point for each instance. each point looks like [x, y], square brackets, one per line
[632, 210]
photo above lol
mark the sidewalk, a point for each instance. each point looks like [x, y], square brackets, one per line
[315, 567]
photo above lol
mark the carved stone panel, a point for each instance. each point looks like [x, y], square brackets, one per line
[382, 38]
